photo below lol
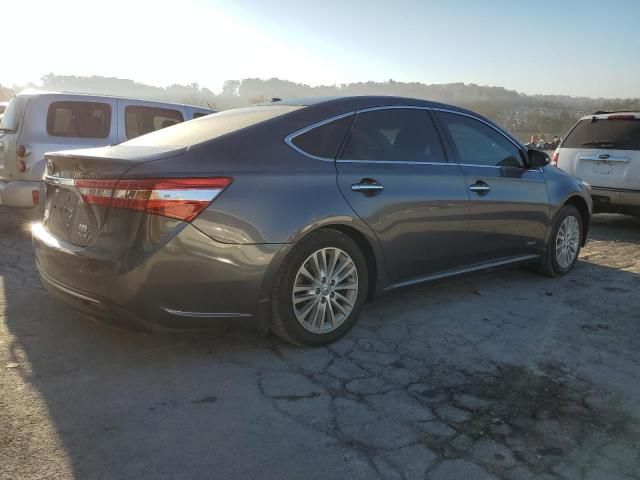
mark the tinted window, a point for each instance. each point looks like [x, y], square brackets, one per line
[479, 144]
[324, 141]
[401, 134]
[201, 114]
[79, 119]
[619, 134]
[141, 120]
[212, 126]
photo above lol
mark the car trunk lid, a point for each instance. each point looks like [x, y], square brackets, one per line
[72, 174]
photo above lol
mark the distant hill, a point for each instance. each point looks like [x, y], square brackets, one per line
[522, 114]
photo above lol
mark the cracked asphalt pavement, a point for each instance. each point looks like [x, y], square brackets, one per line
[503, 374]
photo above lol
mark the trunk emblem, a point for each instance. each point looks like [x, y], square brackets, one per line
[603, 156]
[83, 230]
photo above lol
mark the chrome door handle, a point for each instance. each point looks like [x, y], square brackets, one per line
[367, 187]
[480, 187]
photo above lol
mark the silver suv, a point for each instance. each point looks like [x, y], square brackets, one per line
[36, 122]
[603, 149]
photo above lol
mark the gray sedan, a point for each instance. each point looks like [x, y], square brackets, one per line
[291, 214]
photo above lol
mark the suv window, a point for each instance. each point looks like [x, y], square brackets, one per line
[139, 120]
[399, 134]
[617, 133]
[324, 141]
[79, 119]
[480, 144]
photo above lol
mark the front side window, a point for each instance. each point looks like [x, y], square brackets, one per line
[325, 140]
[140, 120]
[479, 144]
[79, 119]
[395, 134]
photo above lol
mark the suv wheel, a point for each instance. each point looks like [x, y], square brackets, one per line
[320, 289]
[564, 244]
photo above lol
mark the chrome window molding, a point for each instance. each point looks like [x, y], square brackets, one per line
[396, 162]
[289, 138]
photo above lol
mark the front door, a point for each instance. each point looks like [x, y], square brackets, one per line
[393, 172]
[509, 205]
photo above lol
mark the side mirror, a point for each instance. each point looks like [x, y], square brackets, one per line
[537, 159]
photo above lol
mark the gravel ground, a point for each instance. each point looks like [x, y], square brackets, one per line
[495, 375]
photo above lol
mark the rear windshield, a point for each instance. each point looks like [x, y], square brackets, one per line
[211, 126]
[618, 134]
[13, 115]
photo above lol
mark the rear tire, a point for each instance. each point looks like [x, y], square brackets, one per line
[320, 289]
[565, 241]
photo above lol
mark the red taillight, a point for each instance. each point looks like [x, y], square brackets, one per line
[554, 159]
[21, 151]
[35, 197]
[22, 166]
[181, 198]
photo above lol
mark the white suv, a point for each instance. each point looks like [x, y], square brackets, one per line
[603, 149]
[37, 122]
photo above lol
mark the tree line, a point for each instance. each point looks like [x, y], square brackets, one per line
[520, 113]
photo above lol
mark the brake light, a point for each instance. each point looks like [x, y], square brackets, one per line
[22, 166]
[554, 159]
[181, 198]
[21, 151]
[35, 197]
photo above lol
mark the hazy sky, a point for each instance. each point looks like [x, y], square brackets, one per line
[575, 47]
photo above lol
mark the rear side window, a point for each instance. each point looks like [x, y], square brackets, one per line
[401, 134]
[79, 119]
[480, 144]
[141, 120]
[201, 114]
[325, 140]
[618, 134]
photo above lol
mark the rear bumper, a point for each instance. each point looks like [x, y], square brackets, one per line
[614, 198]
[20, 193]
[191, 282]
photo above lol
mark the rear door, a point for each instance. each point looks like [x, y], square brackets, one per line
[393, 172]
[604, 151]
[509, 204]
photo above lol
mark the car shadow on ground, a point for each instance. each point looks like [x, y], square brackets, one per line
[503, 373]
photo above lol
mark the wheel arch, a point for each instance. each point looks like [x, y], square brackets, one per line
[585, 215]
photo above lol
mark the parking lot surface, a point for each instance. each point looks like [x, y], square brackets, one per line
[503, 374]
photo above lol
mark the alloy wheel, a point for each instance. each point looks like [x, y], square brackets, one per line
[325, 290]
[567, 241]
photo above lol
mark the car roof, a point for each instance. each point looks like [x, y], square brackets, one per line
[601, 115]
[364, 101]
[32, 92]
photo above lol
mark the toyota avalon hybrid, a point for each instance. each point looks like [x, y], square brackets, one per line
[291, 214]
